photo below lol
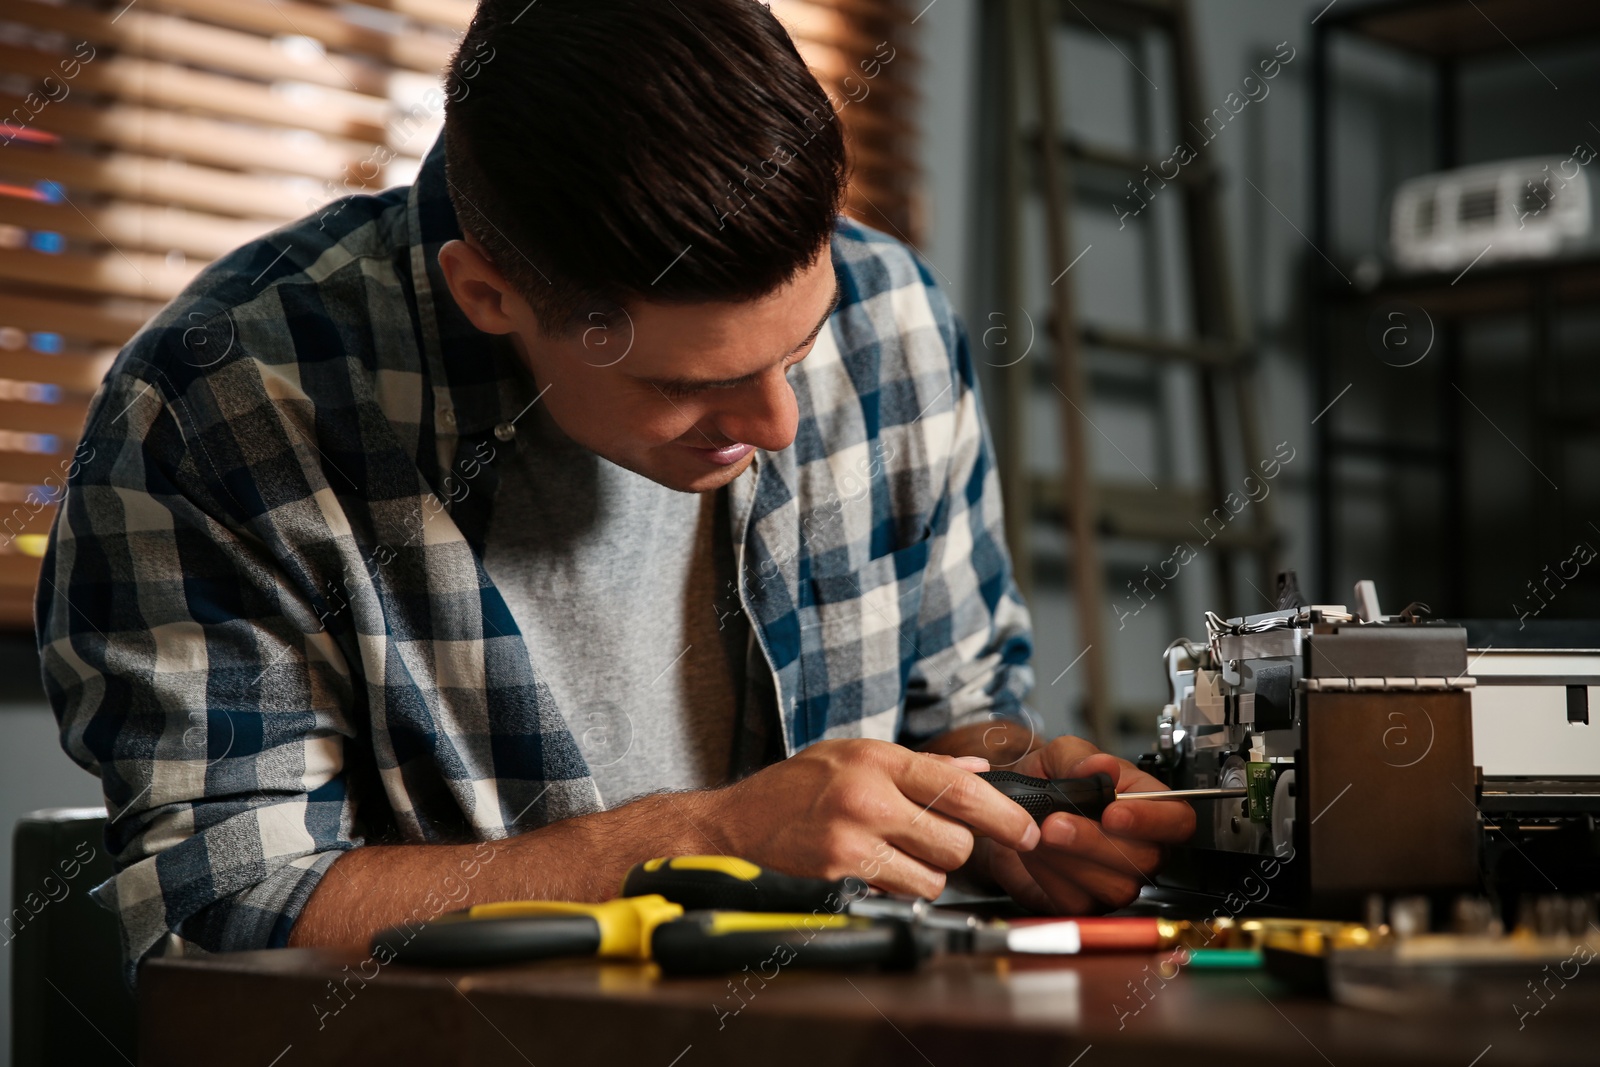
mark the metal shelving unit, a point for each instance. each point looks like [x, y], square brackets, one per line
[1427, 444]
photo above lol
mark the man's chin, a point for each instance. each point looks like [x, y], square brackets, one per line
[707, 478]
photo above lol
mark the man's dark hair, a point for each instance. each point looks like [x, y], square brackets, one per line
[609, 151]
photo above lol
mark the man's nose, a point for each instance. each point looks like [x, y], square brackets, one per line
[763, 413]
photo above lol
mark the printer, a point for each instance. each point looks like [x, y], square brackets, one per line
[1382, 756]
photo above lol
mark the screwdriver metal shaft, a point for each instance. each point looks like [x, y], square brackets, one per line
[1185, 794]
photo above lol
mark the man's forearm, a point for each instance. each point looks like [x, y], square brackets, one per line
[584, 859]
[378, 886]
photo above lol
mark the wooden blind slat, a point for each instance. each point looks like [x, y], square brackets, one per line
[885, 14]
[135, 32]
[18, 605]
[19, 573]
[424, 52]
[99, 324]
[20, 468]
[18, 518]
[824, 25]
[109, 274]
[137, 226]
[450, 14]
[156, 132]
[163, 181]
[64, 419]
[74, 374]
[343, 114]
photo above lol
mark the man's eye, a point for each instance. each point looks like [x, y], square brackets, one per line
[680, 392]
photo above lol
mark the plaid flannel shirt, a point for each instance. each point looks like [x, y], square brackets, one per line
[265, 624]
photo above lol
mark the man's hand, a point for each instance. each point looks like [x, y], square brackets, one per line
[899, 819]
[896, 818]
[1082, 865]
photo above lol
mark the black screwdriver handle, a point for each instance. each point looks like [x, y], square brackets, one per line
[703, 883]
[1086, 796]
[485, 942]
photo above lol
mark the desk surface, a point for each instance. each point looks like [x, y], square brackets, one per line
[283, 1009]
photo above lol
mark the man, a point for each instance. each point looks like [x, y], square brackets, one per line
[602, 495]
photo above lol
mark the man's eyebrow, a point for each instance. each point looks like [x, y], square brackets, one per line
[695, 383]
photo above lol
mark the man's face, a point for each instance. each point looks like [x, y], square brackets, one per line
[681, 394]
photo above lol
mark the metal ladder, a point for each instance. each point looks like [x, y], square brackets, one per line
[1217, 347]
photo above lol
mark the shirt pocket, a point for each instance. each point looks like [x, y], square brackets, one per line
[858, 644]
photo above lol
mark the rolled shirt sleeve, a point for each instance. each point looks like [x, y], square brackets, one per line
[187, 673]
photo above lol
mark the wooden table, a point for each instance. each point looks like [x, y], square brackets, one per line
[279, 1009]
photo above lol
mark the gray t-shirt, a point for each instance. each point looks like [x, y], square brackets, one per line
[620, 587]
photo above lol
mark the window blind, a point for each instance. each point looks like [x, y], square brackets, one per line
[138, 142]
[861, 51]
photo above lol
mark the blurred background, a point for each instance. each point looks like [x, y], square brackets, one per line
[1252, 285]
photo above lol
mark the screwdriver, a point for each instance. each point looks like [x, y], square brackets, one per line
[516, 930]
[650, 927]
[1087, 796]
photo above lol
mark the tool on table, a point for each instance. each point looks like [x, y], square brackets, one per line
[725, 882]
[1088, 796]
[649, 927]
[1224, 959]
[715, 882]
[516, 930]
[1400, 961]
[715, 942]
[1122, 933]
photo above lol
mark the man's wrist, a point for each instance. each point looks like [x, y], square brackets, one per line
[605, 845]
[696, 822]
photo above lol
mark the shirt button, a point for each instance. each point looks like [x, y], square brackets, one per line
[505, 431]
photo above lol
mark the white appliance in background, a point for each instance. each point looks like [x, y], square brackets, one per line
[1534, 208]
[1523, 731]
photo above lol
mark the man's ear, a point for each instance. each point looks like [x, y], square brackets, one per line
[480, 290]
